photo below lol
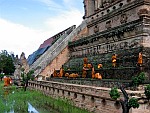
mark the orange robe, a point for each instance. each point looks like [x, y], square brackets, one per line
[93, 73]
[99, 66]
[98, 76]
[54, 73]
[114, 59]
[6, 81]
[140, 59]
[61, 72]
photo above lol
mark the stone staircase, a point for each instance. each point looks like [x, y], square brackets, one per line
[55, 49]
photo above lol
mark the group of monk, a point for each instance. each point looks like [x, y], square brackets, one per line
[139, 61]
[87, 66]
[7, 81]
[60, 74]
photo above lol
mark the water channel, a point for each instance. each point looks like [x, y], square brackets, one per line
[5, 103]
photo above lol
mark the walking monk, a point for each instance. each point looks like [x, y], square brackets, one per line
[6, 81]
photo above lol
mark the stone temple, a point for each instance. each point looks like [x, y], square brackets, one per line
[120, 27]
[114, 34]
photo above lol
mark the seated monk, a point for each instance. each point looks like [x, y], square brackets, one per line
[73, 75]
[98, 76]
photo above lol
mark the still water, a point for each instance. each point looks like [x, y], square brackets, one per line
[30, 108]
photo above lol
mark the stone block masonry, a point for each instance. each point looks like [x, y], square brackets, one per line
[94, 99]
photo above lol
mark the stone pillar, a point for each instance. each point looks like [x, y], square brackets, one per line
[90, 4]
[96, 4]
[99, 3]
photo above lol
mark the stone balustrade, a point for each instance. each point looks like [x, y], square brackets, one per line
[94, 99]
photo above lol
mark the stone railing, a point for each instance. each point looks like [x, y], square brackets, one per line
[54, 50]
[94, 99]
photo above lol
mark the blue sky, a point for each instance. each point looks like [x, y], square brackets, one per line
[25, 24]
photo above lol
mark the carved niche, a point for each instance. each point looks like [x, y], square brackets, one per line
[123, 18]
[108, 24]
[96, 29]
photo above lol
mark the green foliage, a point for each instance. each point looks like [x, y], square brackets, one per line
[141, 77]
[6, 63]
[137, 80]
[18, 100]
[30, 75]
[2, 75]
[27, 76]
[147, 91]
[133, 102]
[114, 94]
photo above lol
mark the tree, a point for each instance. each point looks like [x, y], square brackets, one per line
[6, 63]
[26, 77]
[129, 103]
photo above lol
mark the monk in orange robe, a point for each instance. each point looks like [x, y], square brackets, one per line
[54, 73]
[61, 72]
[93, 72]
[98, 76]
[99, 66]
[114, 59]
[5, 81]
[140, 59]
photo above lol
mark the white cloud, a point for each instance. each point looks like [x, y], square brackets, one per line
[18, 38]
[64, 20]
[51, 4]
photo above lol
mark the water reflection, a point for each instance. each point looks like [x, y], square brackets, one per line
[31, 109]
[10, 104]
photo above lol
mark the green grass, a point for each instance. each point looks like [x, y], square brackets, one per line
[18, 99]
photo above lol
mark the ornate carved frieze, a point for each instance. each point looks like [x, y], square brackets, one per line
[113, 34]
[116, 12]
[105, 48]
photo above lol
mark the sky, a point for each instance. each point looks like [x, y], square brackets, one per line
[25, 24]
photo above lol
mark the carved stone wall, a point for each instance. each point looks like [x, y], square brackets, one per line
[121, 27]
[94, 99]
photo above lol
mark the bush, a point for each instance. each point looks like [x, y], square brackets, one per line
[133, 102]
[147, 91]
[114, 94]
[138, 79]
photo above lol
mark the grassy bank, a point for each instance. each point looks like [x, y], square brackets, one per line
[17, 99]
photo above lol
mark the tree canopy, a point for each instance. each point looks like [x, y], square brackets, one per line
[6, 62]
